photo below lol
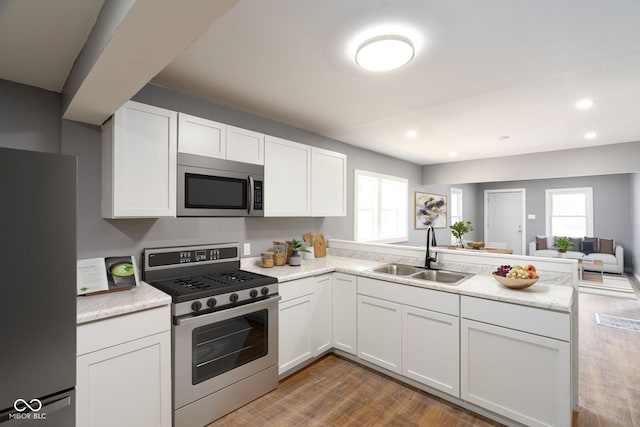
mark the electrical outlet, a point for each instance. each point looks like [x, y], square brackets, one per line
[247, 249]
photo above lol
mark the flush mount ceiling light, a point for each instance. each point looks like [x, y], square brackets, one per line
[411, 133]
[384, 53]
[453, 154]
[584, 104]
[590, 135]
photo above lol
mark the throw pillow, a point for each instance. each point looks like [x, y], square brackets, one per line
[541, 243]
[588, 247]
[576, 244]
[595, 243]
[607, 246]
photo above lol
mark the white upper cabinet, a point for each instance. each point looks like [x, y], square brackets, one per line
[287, 176]
[201, 136]
[328, 183]
[139, 146]
[245, 145]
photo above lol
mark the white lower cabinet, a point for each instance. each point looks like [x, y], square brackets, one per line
[344, 312]
[324, 314]
[305, 324]
[380, 332]
[295, 335]
[521, 375]
[124, 371]
[431, 349]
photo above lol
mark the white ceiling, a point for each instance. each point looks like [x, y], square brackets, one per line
[41, 39]
[482, 69]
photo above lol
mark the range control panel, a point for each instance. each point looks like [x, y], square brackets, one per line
[205, 254]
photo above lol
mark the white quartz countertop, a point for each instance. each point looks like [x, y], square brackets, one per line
[96, 307]
[547, 295]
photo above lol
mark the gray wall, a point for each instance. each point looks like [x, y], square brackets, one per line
[469, 211]
[635, 215]
[612, 205]
[589, 161]
[29, 118]
[100, 237]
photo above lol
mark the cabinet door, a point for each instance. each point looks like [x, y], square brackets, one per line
[430, 349]
[287, 167]
[328, 183]
[245, 146]
[127, 384]
[201, 136]
[523, 376]
[344, 312]
[324, 313]
[295, 334]
[139, 162]
[380, 333]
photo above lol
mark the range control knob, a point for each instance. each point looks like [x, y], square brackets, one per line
[265, 291]
[234, 297]
[211, 302]
[196, 306]
[253, 293]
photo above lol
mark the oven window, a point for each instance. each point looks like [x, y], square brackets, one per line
[215, 192]
[225, 345]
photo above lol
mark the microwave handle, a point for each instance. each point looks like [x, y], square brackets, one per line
[250, 195]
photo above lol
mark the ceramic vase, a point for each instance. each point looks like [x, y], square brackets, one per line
[295, 259]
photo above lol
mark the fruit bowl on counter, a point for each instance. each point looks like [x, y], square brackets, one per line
[516, 277]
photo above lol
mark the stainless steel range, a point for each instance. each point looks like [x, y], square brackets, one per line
[224, 329]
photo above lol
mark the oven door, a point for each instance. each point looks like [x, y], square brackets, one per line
[215, 350]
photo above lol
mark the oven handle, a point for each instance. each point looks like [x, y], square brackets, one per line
[228, 313]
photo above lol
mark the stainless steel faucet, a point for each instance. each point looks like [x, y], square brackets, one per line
[431, 241]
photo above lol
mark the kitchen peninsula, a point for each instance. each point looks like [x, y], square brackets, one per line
[507, 354]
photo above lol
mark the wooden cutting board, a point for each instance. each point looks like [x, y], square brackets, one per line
[319, 246]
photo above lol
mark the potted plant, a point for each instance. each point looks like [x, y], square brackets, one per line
[459, 229]
[562, 244]
[296, 246]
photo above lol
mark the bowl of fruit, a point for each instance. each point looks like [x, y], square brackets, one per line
[516, 277]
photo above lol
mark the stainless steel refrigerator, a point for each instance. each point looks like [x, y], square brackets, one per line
[37, 289]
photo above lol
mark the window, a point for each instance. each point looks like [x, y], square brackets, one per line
[455, 208]
[570, 212]
[381, 207]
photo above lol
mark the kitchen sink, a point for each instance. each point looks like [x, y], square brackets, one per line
[439, 276]
[397, 269]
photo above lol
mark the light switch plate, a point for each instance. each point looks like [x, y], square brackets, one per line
[531, 216]
[247, 249]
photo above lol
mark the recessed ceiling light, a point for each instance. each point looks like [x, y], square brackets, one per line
[384, 53]
[591, 135]
[503, 138]
[453, 154]
[584, 104]
[411, 133]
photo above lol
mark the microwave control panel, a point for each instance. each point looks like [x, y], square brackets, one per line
[257, 195]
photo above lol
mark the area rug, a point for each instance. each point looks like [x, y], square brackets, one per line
[612, 285]
[618, 322]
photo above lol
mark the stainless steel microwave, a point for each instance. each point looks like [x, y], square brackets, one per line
[217, 187]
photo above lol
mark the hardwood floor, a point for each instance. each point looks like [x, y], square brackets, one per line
[337, 392]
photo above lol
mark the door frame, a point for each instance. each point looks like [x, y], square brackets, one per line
[523, 192]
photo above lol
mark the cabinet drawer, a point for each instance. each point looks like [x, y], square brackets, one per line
[117, 330]
[528, 319]
[427, 299]
[296, 288]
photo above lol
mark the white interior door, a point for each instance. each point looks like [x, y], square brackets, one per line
[504, 218]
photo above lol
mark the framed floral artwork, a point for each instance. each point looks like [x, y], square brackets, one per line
[430, 209]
